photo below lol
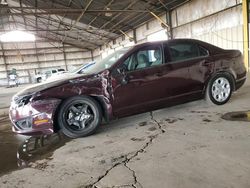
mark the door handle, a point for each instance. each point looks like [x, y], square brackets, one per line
[159, 74]
[206, 63]
[131, 77]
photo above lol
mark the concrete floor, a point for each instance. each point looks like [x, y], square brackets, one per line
[183, 146]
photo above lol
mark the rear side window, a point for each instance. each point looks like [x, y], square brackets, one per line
[184, 51]
[54, 71]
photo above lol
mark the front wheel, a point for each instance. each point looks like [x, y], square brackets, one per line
[219, 89]
[79, 116]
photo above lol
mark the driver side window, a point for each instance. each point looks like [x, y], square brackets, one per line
[144, 58]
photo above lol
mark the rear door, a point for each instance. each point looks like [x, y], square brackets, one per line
[189, 58]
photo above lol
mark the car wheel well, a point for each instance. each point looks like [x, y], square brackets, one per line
[56, 126]
[100, 101]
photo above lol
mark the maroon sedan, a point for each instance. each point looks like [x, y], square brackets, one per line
[142, 78]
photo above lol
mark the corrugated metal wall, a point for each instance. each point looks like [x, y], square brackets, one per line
[32, 57]
[213, 21]
[142, 33]
[218, 22]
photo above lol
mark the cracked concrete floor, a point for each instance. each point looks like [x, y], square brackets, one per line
[183, 146]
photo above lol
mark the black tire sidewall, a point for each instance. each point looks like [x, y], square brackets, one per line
[210, 84]
[73, 100]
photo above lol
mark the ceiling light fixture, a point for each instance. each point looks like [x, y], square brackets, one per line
[17, 36]
[3, 2]
[108, 14]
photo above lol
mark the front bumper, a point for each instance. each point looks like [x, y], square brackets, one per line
[33, 118]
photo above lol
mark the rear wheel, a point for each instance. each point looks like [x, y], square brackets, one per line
[219, 89]
[79, 116]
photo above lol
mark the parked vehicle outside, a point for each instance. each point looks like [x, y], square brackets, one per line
[142, 78]
[40, 77]
[78, 70]
[81, 68]
[13, 78]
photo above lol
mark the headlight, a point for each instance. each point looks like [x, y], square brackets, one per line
[24, 123]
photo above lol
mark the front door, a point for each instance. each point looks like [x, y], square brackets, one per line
[135, 90]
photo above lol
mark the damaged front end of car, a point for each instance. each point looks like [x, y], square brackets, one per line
[31, 116]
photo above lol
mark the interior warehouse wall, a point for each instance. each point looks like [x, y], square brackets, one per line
[149, 31]
[216, 22]
[29, 58]
[212, 21]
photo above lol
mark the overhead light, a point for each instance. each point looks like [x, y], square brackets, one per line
[108, 14]
[17, 36]
[3, 2]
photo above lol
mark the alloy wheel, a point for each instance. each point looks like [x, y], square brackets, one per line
[79, 116]
[221, 89]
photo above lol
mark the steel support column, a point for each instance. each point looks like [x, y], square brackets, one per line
[246, 33]
[65, 57]
[169, 22]
[4, 61]
[134, 36]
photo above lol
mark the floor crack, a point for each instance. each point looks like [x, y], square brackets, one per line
[134, 176]
[159, 125]
[128, 158]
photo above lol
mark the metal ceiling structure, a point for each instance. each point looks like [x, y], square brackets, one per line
[86, 24]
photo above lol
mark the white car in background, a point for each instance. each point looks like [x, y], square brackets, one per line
[40, 77]
[78, 70]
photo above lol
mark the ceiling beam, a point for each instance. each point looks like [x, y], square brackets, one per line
[53, 38]
[78, 18]
[99, 14]
[59, 25]
[61, 12]
[66, 26]
[117, 15]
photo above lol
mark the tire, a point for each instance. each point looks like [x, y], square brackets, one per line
[39, 80]
[79, 116]
[219, 89]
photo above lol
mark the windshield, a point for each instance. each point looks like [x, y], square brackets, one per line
[104, 63]
[80, 69]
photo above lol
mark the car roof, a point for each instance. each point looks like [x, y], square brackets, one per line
[172, 40]
[210, 47]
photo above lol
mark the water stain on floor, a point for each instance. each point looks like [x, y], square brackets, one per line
[37, 148]
[237, 116]
[20, 151]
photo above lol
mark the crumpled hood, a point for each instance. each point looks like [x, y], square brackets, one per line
[61, 79]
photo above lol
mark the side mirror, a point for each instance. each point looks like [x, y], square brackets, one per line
[122, 71]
